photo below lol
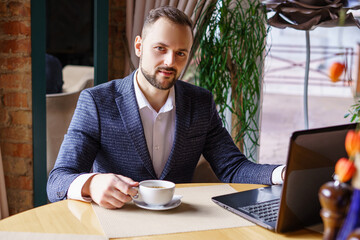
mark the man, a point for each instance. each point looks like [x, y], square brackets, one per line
[148, 126]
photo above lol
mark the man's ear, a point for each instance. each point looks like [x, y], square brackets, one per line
[137, 45]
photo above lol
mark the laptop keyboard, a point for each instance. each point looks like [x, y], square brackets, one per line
[266, 211]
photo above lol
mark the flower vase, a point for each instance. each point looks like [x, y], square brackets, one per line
[352, 220]
[334, 199]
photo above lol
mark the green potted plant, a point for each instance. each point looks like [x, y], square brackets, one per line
[230, 65]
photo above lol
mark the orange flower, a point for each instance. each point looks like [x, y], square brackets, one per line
[352, 143]
[335, 71]
[344, 169]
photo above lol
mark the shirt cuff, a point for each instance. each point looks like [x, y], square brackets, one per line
[76, 186]
[276, 175]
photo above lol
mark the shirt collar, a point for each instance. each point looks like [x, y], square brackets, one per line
[143, 102]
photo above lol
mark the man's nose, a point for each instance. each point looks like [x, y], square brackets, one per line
[169, 58]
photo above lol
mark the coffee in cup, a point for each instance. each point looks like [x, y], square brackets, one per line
[156, 192]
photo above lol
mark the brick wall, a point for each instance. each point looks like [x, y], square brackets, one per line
[117, 31]
[15, 92]
[15, 103]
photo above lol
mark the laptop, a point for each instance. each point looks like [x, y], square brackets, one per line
[294, 205]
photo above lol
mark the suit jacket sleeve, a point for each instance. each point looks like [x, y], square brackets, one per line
[228, 163]
[78, 150]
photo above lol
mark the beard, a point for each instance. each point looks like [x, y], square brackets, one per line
[152, 79]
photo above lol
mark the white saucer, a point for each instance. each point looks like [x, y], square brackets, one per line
[175, 202]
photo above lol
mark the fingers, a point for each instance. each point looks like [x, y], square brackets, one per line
[114, 201]
[121, 197]
[112, 191]
[127, 180]
[111, 203]
[126, 185]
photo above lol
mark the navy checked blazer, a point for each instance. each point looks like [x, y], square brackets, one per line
[106, 136]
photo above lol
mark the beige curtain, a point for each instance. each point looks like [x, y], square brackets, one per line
[137, 10]
[4, 209]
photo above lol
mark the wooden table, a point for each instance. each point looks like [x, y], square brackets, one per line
[75, 217]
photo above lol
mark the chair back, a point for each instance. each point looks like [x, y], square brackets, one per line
[60, 108]
[204, 173]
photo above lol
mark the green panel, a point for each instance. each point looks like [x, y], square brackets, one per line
[101, 31]
[38, 100]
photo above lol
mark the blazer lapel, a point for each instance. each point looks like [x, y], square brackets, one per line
[182, 123]
[129, 112]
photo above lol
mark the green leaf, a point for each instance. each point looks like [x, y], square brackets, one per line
[240, 33]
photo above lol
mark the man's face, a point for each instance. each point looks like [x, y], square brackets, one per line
[163, 52]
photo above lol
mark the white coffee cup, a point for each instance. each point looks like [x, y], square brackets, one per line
[156, 192]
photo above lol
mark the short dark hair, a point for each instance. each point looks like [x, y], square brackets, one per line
[173, 14]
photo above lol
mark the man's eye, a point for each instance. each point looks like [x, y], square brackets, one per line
[181, 54]
[160, 48]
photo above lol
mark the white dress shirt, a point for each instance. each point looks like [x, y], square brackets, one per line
[159, 130]
[159, 127]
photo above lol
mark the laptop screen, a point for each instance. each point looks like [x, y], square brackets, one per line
[312, 156]
[311, 162]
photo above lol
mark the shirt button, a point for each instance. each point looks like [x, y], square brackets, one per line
[156, 147]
